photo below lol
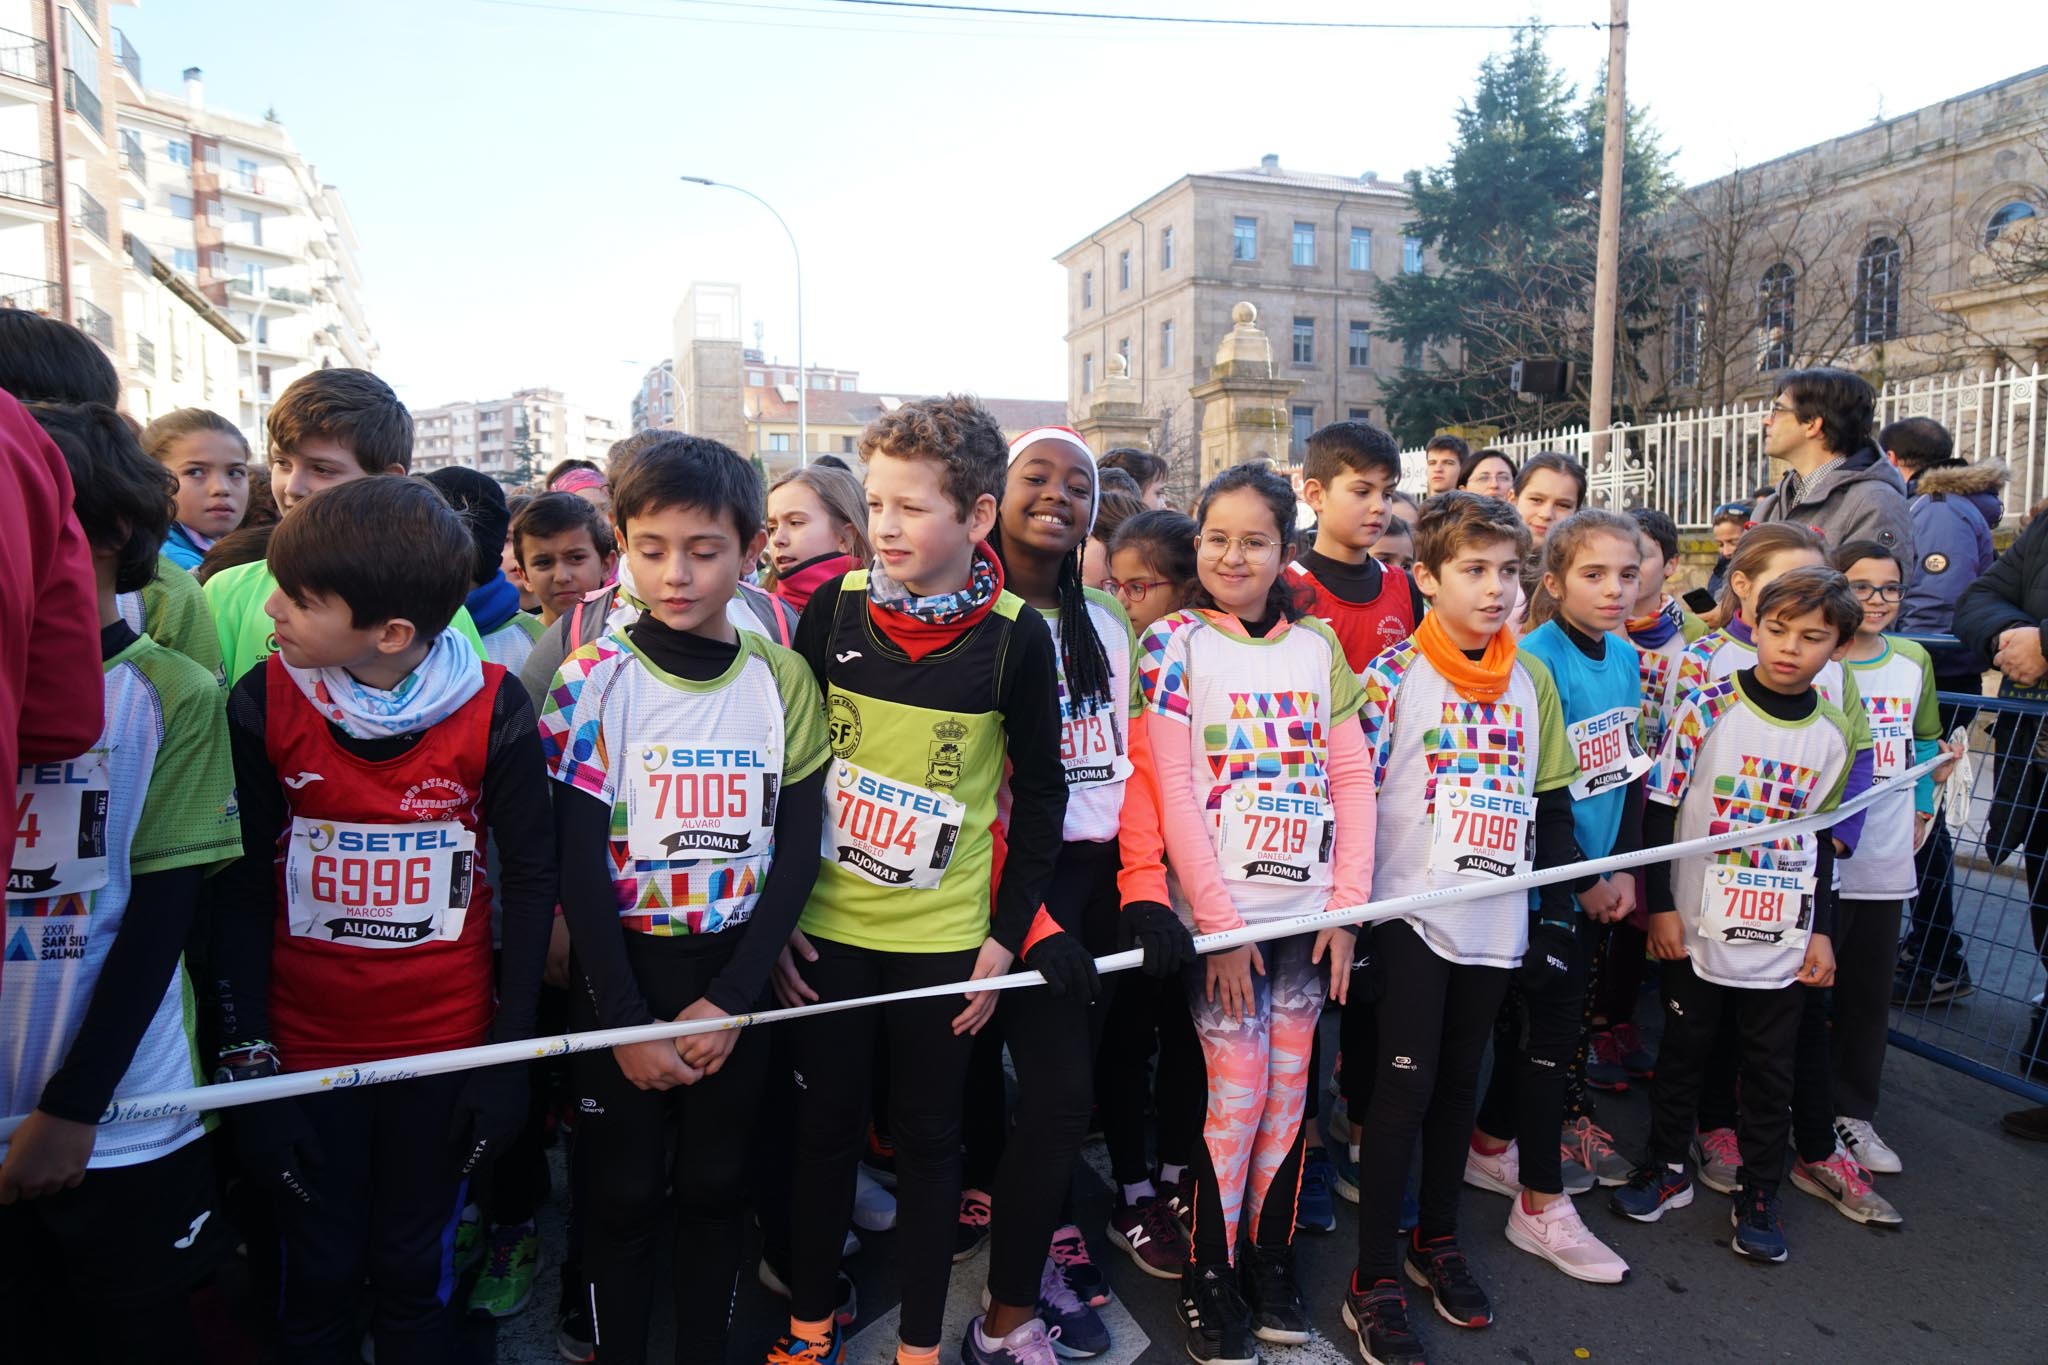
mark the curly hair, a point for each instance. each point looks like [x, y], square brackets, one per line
[954, 432]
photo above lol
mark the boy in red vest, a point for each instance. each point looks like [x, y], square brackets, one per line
[376, 760]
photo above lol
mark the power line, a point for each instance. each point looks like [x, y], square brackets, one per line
[1202, 20]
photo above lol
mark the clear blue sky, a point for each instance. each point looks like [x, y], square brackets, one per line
[510, 164]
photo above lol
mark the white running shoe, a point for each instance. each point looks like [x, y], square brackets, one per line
[1559, 1236]
[1861, 1141]
[874, 1208]
[1846, 1185]
[1499, 1172]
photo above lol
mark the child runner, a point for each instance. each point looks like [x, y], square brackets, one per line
[329, 427]
[933, 674]
[1549, 488]
[104, 1230]
[565, 550]
[1152, 570]
[1265, 804]
[1589, 584]
[681, 879]
[1469, 748]
[1739, 932]
[1396, 546]
[205, 452]
[1351, 469]
[1046, 515]
[493, 602]
[508, 559]
[377, 759]
[817, 530]
[1114, 508]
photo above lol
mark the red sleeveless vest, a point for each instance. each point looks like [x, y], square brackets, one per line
[1365, 629]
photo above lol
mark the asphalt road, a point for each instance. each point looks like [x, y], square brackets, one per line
[1964, 1280]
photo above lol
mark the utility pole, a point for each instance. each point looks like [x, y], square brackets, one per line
[1606, 288]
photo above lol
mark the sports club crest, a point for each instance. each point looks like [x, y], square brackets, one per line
[942, 773]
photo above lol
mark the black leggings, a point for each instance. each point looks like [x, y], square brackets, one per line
[835, 1056]
[690, 1141]
[1434, 1019]
[1866, 949]
[1142, 1006]
[1698, 1017]
[1536, 1033]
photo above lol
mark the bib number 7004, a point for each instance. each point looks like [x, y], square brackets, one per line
[875, 824]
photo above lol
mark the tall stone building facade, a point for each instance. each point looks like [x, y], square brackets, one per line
[1156, 286]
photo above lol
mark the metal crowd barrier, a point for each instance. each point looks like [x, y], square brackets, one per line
[1970, 978]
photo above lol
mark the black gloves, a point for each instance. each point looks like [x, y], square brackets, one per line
[1065, 965]
[1165, 941]
[276, 1147]
[490, 1109]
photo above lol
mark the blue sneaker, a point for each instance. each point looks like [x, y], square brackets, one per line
[1759, 1231]
[1344, 1174]
[1314, 1208]
[790, 1349]
[1030, 1344]
[1072, 1327]
[1411, 1208]
[1651, 1192]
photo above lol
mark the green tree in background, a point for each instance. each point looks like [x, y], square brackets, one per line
[1513, 218]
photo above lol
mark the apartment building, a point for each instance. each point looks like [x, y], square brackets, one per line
[515, 439]
[1156, 285]
[654, 402]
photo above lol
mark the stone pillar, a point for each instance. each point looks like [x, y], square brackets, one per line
[1115, 418]
[1244, 400]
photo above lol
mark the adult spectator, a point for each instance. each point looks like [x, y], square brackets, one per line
[1148, 469]
[1954, 506]
[1839, 484]
[1442, 457]
[51, 697]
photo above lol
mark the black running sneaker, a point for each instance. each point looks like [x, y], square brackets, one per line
[1267, 1274]
[1217, 1318]
[1379, 1317]
[1438, 1266]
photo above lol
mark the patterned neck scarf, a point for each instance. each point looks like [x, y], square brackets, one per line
[940, 609]
[447, 678]
[1656, 629]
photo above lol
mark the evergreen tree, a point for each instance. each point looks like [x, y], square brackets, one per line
[1513, 219]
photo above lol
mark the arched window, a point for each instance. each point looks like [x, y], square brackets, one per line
[1688, 331]
[1777, 317]
[2019, 210]
[1877, 292]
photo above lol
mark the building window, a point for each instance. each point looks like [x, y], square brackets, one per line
[2016, 212]
[1411, 355]
[1123, 348]
[845, 385]
[181, 206]
[1688, 333]
[821, 381]
[1360, 349]
[1303, 421]
[1877, 291]
[846, 444]
[1361, 248]
[1244, 239]
[186, 259]
[1166, 344]
[1304, 341]
[755, 379]
[179, 151]
[1123, 270]
[1777, 317]
[1088, 372]
[1166, 248]
[1359, 414]
[1304, 243]
[1411, 255]
[1087, 289]
[778, 440]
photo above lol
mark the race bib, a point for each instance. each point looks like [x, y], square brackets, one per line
[1609, 750]
[685, 802]
[1273, 836]
[1479, 833]
[1092, 750]
[1771, 907]
[1891, 735]
[60, 828]
[377, 886]
[890, 833]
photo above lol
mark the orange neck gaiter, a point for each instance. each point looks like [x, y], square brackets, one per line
[1484, 679]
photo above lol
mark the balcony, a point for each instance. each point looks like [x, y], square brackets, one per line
[24, 57]
[96, 323]
[145, 356]
[82, 101]
[133, 159]
[92, 214]
[89, 8]
[28, 293]
[130, 59]
[27, 179]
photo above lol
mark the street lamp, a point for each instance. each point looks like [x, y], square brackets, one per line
[803, 379]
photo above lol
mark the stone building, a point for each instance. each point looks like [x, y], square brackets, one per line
[1911, 246]
[516, 440]
[1156, 286]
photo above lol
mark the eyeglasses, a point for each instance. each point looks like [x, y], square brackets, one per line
[1879, 592]
[1781, 410]
[1133, 589]
[1256, 550]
